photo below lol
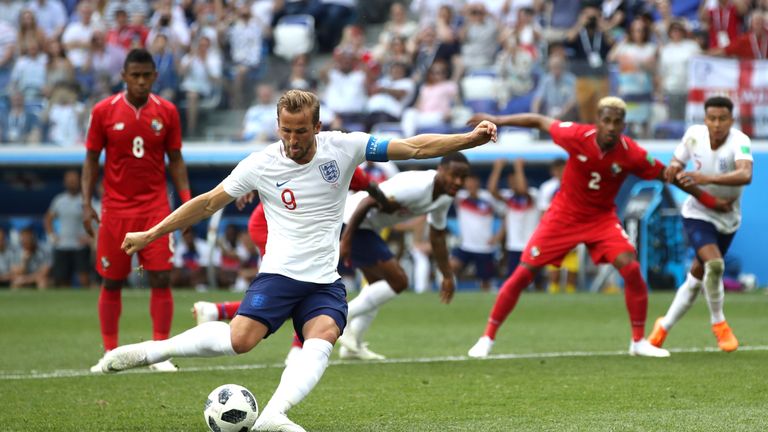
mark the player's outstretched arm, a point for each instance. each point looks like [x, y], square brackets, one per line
[529, 120]
[438, 240]
[427, 146]
[195, 210]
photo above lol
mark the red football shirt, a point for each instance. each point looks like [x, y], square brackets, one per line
[135, 142]
[592, 178]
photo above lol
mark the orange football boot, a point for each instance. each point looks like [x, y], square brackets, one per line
[725, 337]
[659, 333]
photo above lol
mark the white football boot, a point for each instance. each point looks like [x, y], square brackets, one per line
[164, 366]
[97, 368]
[125, 357]
[481, 348]
[643, 348]
[275, 422]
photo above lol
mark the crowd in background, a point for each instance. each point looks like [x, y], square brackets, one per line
[428, 65]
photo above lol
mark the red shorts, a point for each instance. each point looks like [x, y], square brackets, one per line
[113, 263]
[555, 237]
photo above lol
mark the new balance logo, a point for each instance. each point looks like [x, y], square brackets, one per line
[279, 184]
[119, 126]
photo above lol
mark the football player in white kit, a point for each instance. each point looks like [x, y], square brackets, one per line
[430, 193]
[722, 165]
[303, 181]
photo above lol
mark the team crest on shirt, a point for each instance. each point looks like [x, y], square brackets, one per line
[723, 164]
[330, 171]
[615, 169]
[156, 125]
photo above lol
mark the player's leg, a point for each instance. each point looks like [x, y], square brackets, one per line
[319, 318]
[82, 263]
[714, 267]
[459, 260]
[684, 298]
[485, 269]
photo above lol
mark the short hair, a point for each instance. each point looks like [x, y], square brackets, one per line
[612, 102]
[457, 157]
[138, 55]
[295, 101]
[719, 102]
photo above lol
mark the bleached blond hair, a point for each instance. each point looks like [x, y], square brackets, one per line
[612, 102]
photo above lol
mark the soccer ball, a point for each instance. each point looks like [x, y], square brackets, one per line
[230, 408]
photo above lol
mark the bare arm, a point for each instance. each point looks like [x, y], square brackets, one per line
[437, 238]
[493, 179]
[386, 204]
[354, 223]
[87, 184]
[520, 186]
[178, 171]
[433, 145]
[741, 176]
[195, 210]
[715, 203]
[529, 120]
[48, 224]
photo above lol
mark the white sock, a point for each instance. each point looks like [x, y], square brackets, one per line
[359, 325]
[714, 290]
[301, 375]
[370, 298]
[211, 339]
[684, 299]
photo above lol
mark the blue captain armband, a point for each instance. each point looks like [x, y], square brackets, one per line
[376, 149]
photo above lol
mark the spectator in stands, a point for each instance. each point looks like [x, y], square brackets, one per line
[51, 16]
[249, 267]
[77, 35]
[434, 102]
[331, 16]
[7, 54]
[170, 19]
[104, 60]
[19, 125]
[59, 70]
[672, 71]
[447, 29]
[131, 7]
[722, 20]
[560, 17]
[229, 254]
[260, 121]
[663, 20]
[63, 117]
[10, 11]
[428, 49]
[613, 19]
[555, 95]
[389, 95]
[636, 58]
[300, 77]
[29, 31]
[288, 7]
[31, 263]
[71, 244]
[428, 10]
[398, 26]
[478, 37]
[353, 40]
[167, 82]
[345, 87]
[526, 31]
[200, 72]
[752, 45]
[588, 48]
[245, 45]
[126, 32]
[396, 52]
[29, 73]
[514, 70]
[191, 258]
[6, 258]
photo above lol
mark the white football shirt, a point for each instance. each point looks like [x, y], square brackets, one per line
[413, 190]
[475, 216]
[695, 147]
[547, 192]
[521, 218]
[303, 204]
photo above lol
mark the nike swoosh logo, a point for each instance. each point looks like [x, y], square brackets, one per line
[278, 184]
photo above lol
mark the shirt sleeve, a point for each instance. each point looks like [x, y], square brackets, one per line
[566, 134]
[646, 166]
[744, 150]
[245, 177]
[681, 151]
[95, 138]
[173, 137]
[438, 218]
[404, 188]
[360, 180]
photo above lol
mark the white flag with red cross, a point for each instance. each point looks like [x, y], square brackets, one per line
[745, 82]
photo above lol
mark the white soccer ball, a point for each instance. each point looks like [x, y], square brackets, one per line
[230, 408]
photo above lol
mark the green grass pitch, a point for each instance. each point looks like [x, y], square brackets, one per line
[561, 367]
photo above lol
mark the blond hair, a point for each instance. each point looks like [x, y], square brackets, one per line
[295, 101]
[612, 102]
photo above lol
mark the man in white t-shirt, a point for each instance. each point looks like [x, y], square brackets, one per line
[722, 166]
[417, 193]
[302, 181]
[521, 214]
[77, 35]
[475, 211]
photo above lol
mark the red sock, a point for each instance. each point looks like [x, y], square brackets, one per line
[227, 310]
[296, 341]
[636, 298]
[161, 311]
[110, 306]
[507, 298]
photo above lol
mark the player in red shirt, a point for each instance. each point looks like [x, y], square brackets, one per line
[136, 129]
[584, 211]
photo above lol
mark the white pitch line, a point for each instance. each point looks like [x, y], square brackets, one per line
[74, 373]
